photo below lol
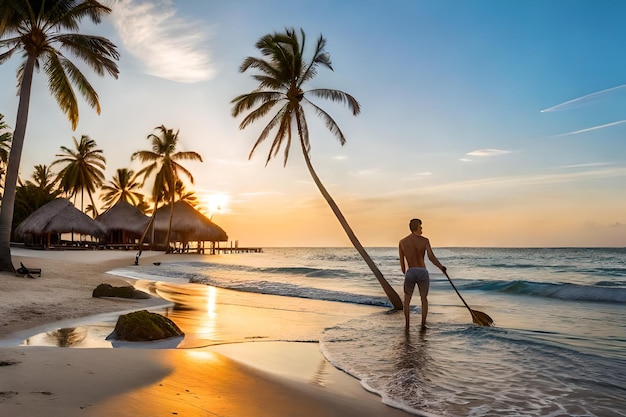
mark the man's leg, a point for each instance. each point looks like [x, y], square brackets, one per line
[424, 309]
[423, 285]
[407, 309]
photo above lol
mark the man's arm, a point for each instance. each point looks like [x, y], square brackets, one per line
[432, 257]
[401, 254]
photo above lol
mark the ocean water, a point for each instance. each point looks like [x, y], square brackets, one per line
[558, 347]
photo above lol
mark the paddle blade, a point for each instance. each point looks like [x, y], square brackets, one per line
[481, 318]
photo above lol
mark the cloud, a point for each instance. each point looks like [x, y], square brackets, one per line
[513, 181]
[364, 172]
[531, 179]
[582, 100]
[589, 129]
[168, 46]
[587, 165]
[488, 152]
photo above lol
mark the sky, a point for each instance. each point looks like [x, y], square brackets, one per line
[498, 123]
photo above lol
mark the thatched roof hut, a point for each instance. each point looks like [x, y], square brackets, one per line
[124, 223]
[188, 224]
[56, 217]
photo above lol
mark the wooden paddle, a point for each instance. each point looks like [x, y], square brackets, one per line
[478, 317]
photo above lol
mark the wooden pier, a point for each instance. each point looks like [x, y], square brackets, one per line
[237, 250]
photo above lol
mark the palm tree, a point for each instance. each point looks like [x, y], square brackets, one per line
[38, 29]
[124, 186]
[84, 169]
[5, 146]
[162, 161]
[44, 177]
[186, 195]
[31, 195]
[282, 74]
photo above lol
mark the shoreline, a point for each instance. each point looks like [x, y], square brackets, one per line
[249, 378]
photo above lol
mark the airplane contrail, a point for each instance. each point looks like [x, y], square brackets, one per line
[589, 129]
[581, 100]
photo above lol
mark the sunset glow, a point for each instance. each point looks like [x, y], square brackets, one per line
[496, 127]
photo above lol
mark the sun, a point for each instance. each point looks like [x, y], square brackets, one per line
[215, 203]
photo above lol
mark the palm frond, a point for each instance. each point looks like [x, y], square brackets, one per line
[259, 113]
[72, 15]
[247, 101]
[12, 44]
[303, 130]
[285, 130]
[179, 168]
[145, 156]
[187, 155]
[338, 97]
[276, 120]
[97, 52]
[61, 88]
[330, 123]
[84, 87]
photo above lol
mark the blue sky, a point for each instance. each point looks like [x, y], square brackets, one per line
[499, 123]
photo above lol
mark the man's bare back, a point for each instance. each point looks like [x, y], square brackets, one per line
[413, 248]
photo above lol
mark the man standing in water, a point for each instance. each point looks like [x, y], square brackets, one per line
[412, 248]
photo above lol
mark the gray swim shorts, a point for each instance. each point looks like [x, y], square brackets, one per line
[417, 276]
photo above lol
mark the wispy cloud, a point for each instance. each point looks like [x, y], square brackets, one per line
[364, 172]
[587, 165]
[169, 46]
[520, 181]
[582, 100]
[487, 152]
[530, 180]
[590, 129]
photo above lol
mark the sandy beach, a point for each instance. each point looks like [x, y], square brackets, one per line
[243, 379]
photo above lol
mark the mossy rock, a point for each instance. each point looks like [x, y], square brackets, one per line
[107, 290]
[142, 326]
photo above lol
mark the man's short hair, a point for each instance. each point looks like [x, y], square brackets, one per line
[414, 224]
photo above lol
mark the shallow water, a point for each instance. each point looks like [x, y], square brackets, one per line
[558, 348]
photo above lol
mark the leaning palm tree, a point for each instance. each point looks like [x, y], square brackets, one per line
[39, 30]
[123, 187]
[282, 73]
[162, 161]
[83, 170]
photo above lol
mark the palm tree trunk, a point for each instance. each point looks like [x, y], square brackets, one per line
[13, 167]
[145, 233]
[95, 212]
[393, 296]
[169, 226]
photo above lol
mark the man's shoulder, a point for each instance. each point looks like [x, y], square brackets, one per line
[406, 238]
[413, 238]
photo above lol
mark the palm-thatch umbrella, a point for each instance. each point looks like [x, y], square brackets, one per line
[188, 224]
[124, 223]
[56, 217]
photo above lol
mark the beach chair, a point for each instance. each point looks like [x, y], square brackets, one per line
[29, 272]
